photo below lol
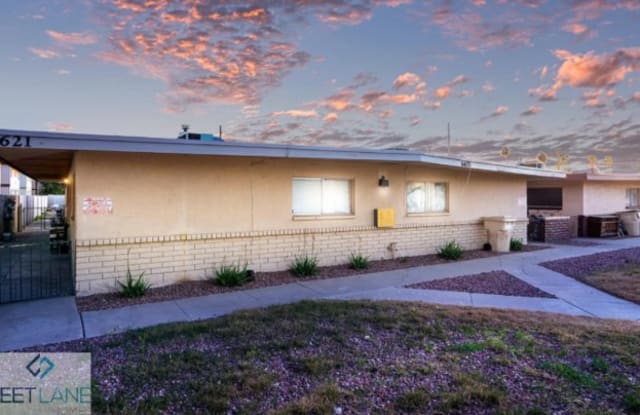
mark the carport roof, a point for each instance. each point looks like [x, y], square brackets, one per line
[49, 154]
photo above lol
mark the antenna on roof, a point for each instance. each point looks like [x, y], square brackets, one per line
[448, 140]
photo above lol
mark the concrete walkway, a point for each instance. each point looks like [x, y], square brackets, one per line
[55, 320]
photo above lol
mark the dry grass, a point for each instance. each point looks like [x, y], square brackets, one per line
[623, 282]
[314, 357]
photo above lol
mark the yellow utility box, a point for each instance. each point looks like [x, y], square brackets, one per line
[384, 218]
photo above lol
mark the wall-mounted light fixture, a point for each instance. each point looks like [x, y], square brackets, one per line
[383, 181]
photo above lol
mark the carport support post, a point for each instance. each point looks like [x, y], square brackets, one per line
[5, 179]
[23, 184]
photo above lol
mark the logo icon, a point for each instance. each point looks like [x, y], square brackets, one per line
[40, 366]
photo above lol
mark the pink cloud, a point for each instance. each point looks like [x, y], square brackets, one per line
[297, 113]
[406, 79]
[340, 101]
[443, 92]
[532, 110]
[544, 71]
[474, 33]
[592, 9]
[596, 71]
[488, 87]
[219, 52]
[72, 38]
[590, 70]
[58, 126]
[432, 105]
[331, 117]
[581, 30]
[499, 111]
[44, 53]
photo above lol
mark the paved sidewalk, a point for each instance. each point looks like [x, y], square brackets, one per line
[54, 320]
[39, 322]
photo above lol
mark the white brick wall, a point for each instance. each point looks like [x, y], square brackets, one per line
[168, 259]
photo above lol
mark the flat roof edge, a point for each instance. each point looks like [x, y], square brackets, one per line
[116, 143]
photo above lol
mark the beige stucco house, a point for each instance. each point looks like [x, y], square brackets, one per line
[175, 209]
[584, 194]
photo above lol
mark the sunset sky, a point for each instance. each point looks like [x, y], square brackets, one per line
[553, 76]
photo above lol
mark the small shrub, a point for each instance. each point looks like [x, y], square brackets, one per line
[516, 245]
[450, 251]
[133, 287]
[305, 266]
[358, 261]
[231, 275]
[415, 401]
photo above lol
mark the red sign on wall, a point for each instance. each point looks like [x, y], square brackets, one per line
[97, 206]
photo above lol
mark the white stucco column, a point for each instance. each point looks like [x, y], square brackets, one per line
[5, 179]
[23, 184]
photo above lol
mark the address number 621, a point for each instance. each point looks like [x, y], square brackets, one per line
[15, 141]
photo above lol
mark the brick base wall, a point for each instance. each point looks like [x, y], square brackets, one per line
[557, 229]
[169, 259]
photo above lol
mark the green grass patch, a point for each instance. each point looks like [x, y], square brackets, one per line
[315, 365]
[631, 402]
[412, 402]
[570, 373]
[599, 365]
[322, 400]
[468, 347]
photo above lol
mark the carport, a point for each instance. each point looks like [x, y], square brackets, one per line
[33, 264]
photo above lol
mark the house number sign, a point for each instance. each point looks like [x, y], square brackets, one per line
[15, 141]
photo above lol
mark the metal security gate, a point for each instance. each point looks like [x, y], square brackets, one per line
[32, 271]
[37, 262]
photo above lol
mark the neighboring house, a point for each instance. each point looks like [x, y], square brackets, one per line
[175, 208]
[12, 182]
[584, 194]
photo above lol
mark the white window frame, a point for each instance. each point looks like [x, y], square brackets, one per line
[628, 203]
[320, 214]
[426, 212]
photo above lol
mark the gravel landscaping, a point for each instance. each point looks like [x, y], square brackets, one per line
[265, 279]
[615, 272]
[583, 265]
[362, 357]
[493, 282]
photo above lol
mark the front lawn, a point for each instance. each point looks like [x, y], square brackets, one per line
[616, 272]
[363, 357]
[623, 282]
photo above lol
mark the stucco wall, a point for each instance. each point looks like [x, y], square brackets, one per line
[179, 217]
[606, 197]
[176, 195]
